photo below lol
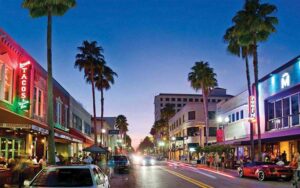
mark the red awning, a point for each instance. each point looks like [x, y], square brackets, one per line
[67, 136]
[79, 134]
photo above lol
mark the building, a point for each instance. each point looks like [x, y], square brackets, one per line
[23, 106]
[232, 117]
[187, 127]
[80, 125]
[178, 101]
[279, 109]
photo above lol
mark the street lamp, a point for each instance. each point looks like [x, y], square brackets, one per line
[173, 138]
[103, 131]
[219, 119]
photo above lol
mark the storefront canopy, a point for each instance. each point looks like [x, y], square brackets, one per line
[87, 140]
[96, 149]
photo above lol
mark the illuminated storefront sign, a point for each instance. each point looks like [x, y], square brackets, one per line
[252, 107]
[24, 85]
[285, 80]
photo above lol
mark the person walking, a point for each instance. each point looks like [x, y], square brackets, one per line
[217, 161]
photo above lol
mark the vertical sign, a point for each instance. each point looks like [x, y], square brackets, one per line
[252, 107]
[24, 85]
[220, 135]
[285, 80]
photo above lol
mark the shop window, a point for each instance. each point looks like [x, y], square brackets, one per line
[192, 115]
[38, 102]
[295, 109]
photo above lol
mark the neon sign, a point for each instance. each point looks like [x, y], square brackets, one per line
[24, 85]
[252, 107]
[285, 80]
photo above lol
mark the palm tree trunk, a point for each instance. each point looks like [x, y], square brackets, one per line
[51, 143]
[102, 112]
[255, 65]
[94, 107]
[205, 107]
[249, 94]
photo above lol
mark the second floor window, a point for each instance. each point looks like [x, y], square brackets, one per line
[77, 122]
[38, 102]
[6, 81]
[192, 115]
[58, 111]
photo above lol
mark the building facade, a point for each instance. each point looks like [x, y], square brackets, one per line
[187, 127]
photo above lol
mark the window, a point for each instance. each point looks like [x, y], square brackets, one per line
[179, 99]
[201, 100]
[286, 111]
[77, 122]
[278, 113]
[219, 100]
[38, 101]
[58, 111]
[211, 114]
[6, 78]
[178, 105]
[167, 99]
[66, 116]
[242, 114]
[190, 99]
[87, 128]
[208, 100]
[173, 99]
[192, 115]
[213, 100]
[212, 131]
[196, 100]
[192, 131]
[183, 119]
[161, 99]
[295, 109]
[229, 117]
[233, 118]
[237, 116]
[184, 99]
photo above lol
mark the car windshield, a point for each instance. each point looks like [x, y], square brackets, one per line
[63, 177]
[119, 158]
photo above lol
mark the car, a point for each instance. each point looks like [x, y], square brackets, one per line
[90, 176]
[148, 161]
[265, 170]
[121, 162]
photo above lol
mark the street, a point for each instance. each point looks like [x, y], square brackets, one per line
[170, 175]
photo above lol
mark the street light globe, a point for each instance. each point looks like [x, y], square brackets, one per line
[219, 119]
[173, 138]
[161, 144]
[103, 130]
[226, 119]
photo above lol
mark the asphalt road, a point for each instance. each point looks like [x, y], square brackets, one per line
[168, 175]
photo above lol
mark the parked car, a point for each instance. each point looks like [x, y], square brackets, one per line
[121, 162]
[264, 170]
[70, 176]
[148, 161]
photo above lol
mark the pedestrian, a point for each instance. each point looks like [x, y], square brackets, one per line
[283, 156]
[223, 159]
[217, 161]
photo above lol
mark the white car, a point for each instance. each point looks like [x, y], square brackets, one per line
[89, 176]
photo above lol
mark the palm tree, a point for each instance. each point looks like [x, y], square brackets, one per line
[167, 112]
[255, 22]
[122, 125]
[203, 77]
[104, 78]
[232, 37]
[87, 60]
[49, 8]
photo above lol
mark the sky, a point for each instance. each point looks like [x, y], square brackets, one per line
[151, 44]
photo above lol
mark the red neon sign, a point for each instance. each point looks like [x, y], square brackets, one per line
[24, 85]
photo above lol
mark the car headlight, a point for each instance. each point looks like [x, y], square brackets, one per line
[152, 161]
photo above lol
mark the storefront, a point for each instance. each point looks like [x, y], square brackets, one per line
[279, 94]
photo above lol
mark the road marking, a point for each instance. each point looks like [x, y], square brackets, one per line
[191, 180]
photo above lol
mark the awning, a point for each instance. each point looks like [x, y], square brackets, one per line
[87, 140]
[7, 116]
[67, 136]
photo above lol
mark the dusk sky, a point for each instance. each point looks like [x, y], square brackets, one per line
[151, 45]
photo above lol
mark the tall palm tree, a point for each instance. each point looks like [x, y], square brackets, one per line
[87, 60]
[104, 78]
[122, 125]
[167, 112]
[49, 8]
[203, 77]
[255, 22]
[232, 37]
